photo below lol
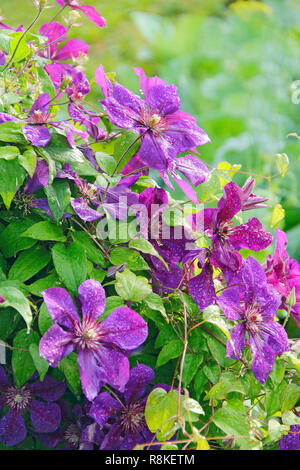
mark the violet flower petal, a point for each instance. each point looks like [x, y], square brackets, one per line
[92, 298]
[55, 345]
[91, 374]
[12, 428]
[125, 328]
[104, 407]
[60, 306]
[45, 417]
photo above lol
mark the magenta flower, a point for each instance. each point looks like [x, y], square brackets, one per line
[56, 33]
[250, 200]
[165, 129]
[201, 287]
[116, 201]
[192, 168]
[102, 346]
[36, 128]
[292, 440]
[283, 273]
[253, 305]
[87, 10]
[226, 238]
[79, 86]
[45, 415]
[124, 417]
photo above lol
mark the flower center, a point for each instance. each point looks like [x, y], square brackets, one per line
[88, 334]
[154, 121]
[39, 118]
[253, 318]
[72, 435]
[87, 191]
[132, 418]
[23, 201]
[16, 398]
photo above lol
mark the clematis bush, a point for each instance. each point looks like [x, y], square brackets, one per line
[130, 319]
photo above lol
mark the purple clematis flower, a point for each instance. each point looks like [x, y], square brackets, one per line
[45, 415]
[56, 33]
[165, 130]
[102, 346]
[201, 287]
[172, 243]
[116, 200]
[79, 430]
[250, 200]
[36, 128]
[87, 10]
[292, 440]
[283, 273]
[124, 417]
[79, 86]
[192, 168]
[226, 238]
[254, 305]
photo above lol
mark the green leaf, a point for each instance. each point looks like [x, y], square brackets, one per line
[69, 367]
[59, 195]
[44, 319]
[93, 253]
[190, 367]
[161, 412]
[22, 363]
[16, 299]
[212, 314]
[143, 245]
[12, 176]
[12, 132]
[132, 258]
[160, 407]
[8, 322]
[231, 422]
[45, 230]
[59, 150]
[131, 287]
[40, 363]
[11, 241]
[70, 264]
[44, 283]
[28, 161]
[45, 82]
[169, 351]
[289, 397]
[29, 263]
[122, 144]
[228, 383]
[22, 48]
[9, 152]
[154, 301]
[106, 162]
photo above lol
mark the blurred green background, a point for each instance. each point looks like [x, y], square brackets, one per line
[234, 63]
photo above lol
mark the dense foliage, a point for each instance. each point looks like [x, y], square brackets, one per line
[131, 318]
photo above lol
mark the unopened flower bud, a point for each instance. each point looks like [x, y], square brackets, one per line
[291, 299]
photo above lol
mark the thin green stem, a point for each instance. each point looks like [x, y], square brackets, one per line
[22, 36]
